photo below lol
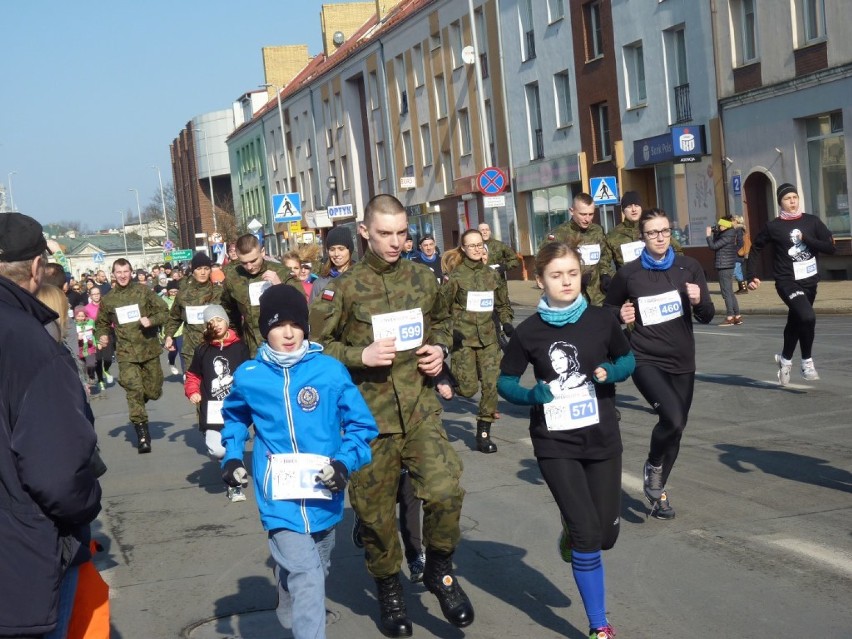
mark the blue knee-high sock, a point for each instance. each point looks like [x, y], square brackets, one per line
[589, 575]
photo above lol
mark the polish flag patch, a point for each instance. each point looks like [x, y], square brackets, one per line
[328, 295]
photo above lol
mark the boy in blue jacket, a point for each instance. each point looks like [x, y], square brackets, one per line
[312, 429]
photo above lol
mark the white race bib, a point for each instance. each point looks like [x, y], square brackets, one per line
[802, 270]
[494, 266]
[656, 309]
[293, 476]
[195, 315]
[256, 290]
[632, 250]
[572, 408]
[214, 412]
[591, 254]
[480, 301]
[128, 314]
[405, 326]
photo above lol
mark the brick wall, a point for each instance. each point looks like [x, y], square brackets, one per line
[811, 58]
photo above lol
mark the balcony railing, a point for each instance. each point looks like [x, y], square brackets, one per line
[539, 144]
[683, 107]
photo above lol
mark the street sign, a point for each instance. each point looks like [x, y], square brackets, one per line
[168, 245]
[287, 207]
[254, 225]
[492, 181]
[737, 184]
[98, 258]
[341, 211]
[182, 255]
[604, 190]
[408, 182]
[493, 201]
[295, 227]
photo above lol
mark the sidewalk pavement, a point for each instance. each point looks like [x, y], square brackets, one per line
[833, 297]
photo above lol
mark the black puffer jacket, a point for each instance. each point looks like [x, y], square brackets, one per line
[725, 245]
[48, 492]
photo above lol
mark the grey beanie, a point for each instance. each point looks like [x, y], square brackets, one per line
[214, 310]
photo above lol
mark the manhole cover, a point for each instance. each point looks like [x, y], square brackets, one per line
[260, 624]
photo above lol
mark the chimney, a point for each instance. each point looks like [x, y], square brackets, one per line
[282, 64]
[343, 20]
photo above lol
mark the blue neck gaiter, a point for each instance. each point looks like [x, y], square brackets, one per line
[561, 316]
[651, 264]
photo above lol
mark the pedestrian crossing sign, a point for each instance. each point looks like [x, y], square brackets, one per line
[287, 207]
[604, 190]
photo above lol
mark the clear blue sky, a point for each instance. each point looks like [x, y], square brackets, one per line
[92, 93]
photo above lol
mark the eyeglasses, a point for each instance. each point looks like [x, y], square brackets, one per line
[473, 246]
[652, 235]
[306, 266]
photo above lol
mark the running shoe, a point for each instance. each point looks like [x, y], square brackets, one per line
[738, 319]
[236, 494]
[784, 370]
[565, 544]
[108, 378]
[653, 482]
[356, 533]
[416, 568]
[101, 386]
[729, 321]
[607, 632]
[808, 370]
[662, 509]
[174, 370]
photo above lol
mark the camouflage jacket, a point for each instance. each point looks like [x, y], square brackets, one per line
[398, 395]
[133, 342]
[600, 271]
[475, 328]
[238, 293]
[624, 233]
[499, 253]
[191, 294]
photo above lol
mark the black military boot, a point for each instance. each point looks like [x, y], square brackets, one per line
[394, 617]
[144, 438]
[484, 444]
[439, 579]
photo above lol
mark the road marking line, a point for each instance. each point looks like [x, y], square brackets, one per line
[831, 557]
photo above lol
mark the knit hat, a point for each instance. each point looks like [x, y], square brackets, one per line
[201, 259]
[424, 238]
[283, 303]
[784, 189]
[339, 236]
[725, 223]
[214, 310]
[630, 197]
[79, 309]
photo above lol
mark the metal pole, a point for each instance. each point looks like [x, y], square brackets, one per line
[11, 198]
[124, 233]
[139, 212]
[163, 200]
[210, 179]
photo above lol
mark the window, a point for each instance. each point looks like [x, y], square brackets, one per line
[307, 192]
[401, 92]
[447, 172]
[273, 155]
[747, 33]
[489, 120]
[600, 125]
[555, 10]
[829, 188]
[374, 90]
[332, 168]
[527, 32]
[456, 44]
[479, 20]
[407, 153]
[426, 144]
[465, 143]
[562, 94]
[441, 96]
[435, 41]
[381, 161]
[634, 62]
[344, 173]
[813, 18]
[549, 209]
[681, 107]
[419, 68]
[594, 30]
[536, 135]
[329, 132]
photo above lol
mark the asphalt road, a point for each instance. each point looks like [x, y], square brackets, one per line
[760, 547]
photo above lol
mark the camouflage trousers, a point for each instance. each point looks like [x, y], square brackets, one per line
[475, 366]
[141, 381]
[434, 469]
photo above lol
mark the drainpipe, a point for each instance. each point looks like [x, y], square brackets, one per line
[389, 159]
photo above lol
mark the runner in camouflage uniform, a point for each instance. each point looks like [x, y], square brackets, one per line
[473, 294]
[406, 408]
[244, 281]
[135, 312]
[501, 257]
[625, 243]
[590, 240]
[188, 308]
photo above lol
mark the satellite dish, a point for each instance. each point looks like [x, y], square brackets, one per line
[468, 55]
[338, 38]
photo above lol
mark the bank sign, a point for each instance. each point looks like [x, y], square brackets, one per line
[682, 144]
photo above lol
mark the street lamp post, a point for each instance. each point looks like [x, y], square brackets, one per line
[124, 233]
[163, 200]
[286, 155]
[209, 178]
[11, 199]
[139, 212]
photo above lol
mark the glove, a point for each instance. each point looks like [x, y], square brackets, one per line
[333, 476]
[542, 394]
[508, 329]
[235, 474]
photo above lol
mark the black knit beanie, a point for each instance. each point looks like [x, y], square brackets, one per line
[339, 236]
[784, 189]
[630, 197]
[283, 303]
[201, 259]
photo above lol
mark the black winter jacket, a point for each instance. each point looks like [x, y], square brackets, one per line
[725, 245]
[48, 492]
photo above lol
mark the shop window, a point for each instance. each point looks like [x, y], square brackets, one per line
[829, 188]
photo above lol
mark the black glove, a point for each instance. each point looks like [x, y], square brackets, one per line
[508, 329]
[235, 474]
[333, 476]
